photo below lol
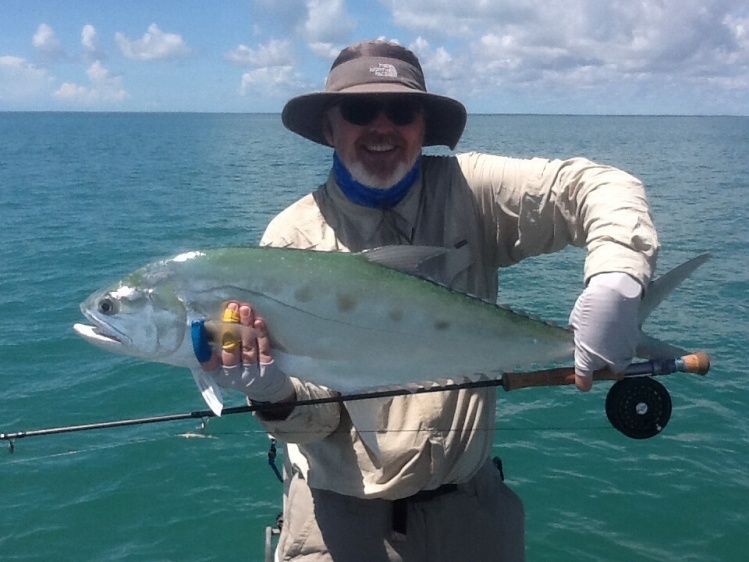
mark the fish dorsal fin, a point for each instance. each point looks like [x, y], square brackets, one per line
[364, 415]
[209, 389]
[432, 263]
[660, 288]
[413, 260]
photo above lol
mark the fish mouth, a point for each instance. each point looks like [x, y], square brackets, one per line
[101, 334]
[95, 335]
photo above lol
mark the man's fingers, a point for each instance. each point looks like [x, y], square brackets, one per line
[583, 384]
[230, 344]
[249, 341]
[245, 314]
[263, 342]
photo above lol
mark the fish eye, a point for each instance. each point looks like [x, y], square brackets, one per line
[107, 306]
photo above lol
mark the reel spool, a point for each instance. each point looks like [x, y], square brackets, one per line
[639, 407]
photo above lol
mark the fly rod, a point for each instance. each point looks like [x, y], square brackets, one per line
[696, 363]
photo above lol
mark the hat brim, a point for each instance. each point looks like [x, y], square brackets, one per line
[445, 117]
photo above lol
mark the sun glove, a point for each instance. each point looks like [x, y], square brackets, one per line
[260, 382]
[606, 325]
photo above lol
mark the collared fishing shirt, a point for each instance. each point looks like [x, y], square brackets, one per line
[493, 211]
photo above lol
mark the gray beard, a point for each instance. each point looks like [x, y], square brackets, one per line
[359, 173]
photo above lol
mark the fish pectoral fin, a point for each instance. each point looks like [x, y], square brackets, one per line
[364, 417]
[209, 389]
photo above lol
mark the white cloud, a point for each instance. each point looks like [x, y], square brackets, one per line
[154, 45]
[325, 51]
[273, 69]
[580, 44]
[20, 80]
[273, 53]
[46, 43]
[323, 24]
[90, 43]
[103, 88]
[438, 64]
[327, 21]
[89, 39]
[269, 81]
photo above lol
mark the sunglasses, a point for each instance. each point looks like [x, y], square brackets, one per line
[362, 111]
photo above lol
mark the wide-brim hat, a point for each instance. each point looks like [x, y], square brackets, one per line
[376, 68]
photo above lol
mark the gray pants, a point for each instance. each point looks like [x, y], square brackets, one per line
[482, 520]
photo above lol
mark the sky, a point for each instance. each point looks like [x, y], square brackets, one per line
[674, 57]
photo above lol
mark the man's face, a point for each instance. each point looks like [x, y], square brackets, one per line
[377, 139]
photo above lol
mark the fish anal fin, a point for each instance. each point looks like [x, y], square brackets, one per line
[209, 390]
[364, 417]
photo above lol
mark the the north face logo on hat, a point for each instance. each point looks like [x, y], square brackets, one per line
[384, 70]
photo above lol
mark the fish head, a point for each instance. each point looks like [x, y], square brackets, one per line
[148, 320]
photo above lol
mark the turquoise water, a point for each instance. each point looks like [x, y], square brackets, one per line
[85, 198]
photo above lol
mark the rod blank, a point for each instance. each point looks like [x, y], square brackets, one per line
[696, 363]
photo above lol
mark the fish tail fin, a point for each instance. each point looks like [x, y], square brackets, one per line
[664, 285]
[658, 289]
[652, 348]
[209, 389]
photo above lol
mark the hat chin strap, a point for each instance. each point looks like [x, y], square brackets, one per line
[375, 198]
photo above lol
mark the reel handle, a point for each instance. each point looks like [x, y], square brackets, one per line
[697, 363]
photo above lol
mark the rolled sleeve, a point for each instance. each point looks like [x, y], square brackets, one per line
[614, 217]
[539, 206]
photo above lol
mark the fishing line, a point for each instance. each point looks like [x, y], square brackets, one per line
[103, 447]
[258, 432]
[630, 420]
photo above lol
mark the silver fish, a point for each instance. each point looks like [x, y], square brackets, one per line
[351, 322]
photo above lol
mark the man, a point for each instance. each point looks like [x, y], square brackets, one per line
[427, 490]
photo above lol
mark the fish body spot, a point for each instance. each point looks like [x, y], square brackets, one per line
[396, 315]
[345, 303]
[303, 293]
[441, 325]
[271, 286]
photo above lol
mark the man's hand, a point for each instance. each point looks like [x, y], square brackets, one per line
[605, 320]
[246, 362]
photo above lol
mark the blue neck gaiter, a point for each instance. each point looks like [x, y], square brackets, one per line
[368, 196]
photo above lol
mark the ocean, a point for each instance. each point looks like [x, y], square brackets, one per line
[87, 197]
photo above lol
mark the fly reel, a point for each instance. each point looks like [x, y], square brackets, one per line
[639, 407]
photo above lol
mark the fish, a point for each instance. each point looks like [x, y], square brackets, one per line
[352, 322]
